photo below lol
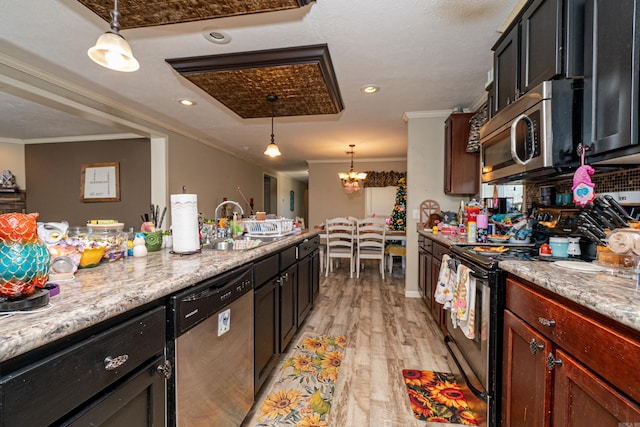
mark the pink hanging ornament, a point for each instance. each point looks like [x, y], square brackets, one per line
[583, 187]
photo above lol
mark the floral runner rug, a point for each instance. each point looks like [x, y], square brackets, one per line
[436, 397]
[303, 391]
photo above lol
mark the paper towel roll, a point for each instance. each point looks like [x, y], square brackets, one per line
[184, 218]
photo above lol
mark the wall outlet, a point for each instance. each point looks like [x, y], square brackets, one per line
[415, 214]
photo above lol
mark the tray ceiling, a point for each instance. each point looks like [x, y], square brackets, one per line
[302, 78]
[147, 13]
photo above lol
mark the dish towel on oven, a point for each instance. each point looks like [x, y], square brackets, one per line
[464, 301]
[446, 282]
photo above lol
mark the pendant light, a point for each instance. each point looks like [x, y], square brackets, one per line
[272, 149]
[112, 50]
[351, 180]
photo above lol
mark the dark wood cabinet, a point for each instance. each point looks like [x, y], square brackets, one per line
[525, 380]
[266, 330]
[541, 43]
[559, 368]
[462, 169]
[315, 275]
[288, 312]
[611, 77]
[506, 68]
[117, 373]
[430, 259]
[305, 293]
[424, 261]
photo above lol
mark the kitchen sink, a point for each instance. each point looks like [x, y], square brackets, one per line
[237, 244]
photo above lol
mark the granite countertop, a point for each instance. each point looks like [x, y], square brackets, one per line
[608, 294]
[99, 293]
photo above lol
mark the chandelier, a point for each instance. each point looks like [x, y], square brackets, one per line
[351, 180]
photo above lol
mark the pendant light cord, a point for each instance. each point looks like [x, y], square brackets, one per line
[272, 114]
[115, 25]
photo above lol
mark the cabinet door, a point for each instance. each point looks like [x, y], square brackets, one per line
[462, 169]
[304, 291]
[315, 276]
[526, 382]
[541, 43]
[266, 326]
[506, 69]
[611, 75]
[137, 402]
[580, 398]
[422, 277]
[288, 314]
[436, 308]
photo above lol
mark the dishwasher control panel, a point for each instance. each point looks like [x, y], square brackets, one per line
[193, 305]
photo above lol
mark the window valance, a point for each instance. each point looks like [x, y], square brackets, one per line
[383, 179]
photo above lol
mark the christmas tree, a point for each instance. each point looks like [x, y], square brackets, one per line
[399, 214]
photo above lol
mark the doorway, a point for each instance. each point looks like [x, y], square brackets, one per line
[270, 194]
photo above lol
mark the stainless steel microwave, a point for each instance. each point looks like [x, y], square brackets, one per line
[535, 136]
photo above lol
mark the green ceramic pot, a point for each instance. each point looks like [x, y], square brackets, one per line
[153, 240]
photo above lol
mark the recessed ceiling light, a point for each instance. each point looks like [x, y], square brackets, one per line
[217, 36]
[369, 89]
[186, 102]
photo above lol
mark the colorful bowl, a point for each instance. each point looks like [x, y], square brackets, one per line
[91, 257]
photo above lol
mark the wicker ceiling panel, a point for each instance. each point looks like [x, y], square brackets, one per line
[301, 78]
[146, 13]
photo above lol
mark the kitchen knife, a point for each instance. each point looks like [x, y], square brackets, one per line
[602, 218]
[614, 203]
[611, 212]
[597, 231]
[589, 235]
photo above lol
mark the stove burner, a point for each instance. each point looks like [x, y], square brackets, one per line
[39, 298]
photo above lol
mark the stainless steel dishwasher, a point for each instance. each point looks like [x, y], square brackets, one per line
[211, 344]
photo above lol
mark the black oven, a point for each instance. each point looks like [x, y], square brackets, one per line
[479, 359]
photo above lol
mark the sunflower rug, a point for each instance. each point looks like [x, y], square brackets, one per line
[303, 391]
[436, 397]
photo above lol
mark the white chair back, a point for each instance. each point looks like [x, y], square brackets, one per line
[371, 241]
[341, 234]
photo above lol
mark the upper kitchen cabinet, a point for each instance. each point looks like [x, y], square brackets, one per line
[543, 43]
[506, 67]
[461, 169]
[611, 78]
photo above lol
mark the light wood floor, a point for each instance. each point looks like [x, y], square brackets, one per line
[386, 332]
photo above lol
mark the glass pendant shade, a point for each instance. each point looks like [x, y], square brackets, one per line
[272, 150]
[112, 51]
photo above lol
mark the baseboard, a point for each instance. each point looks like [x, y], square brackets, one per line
[412, 294]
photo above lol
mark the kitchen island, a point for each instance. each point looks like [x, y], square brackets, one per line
[103, 347]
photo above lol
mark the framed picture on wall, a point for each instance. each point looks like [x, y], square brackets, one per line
[100, 182]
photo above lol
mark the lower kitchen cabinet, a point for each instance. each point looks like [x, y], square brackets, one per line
[288, 306]
[116, 375]
[565, 366]
[308, 277]
[266, 330]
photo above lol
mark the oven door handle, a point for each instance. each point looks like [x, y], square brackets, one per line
[481, 394]
[528, 138]
[484, 276]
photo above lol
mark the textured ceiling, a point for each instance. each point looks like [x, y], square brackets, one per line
[302, 78]
[147, 13]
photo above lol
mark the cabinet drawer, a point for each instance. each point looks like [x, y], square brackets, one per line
[43, 392]
[439, 250]
[287, 257]
[265, 269]
[308, 246]
[609, 352]
[425, 243]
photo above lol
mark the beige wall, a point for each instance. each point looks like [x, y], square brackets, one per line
[327, 198]
[425, 180]
[12, 158]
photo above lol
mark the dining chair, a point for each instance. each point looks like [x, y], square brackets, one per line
[340, 242]
[370, 242]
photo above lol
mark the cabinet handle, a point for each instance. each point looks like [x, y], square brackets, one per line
[552, 362]
[111, 363]
[534, 346]
[546, 322]
[165, 369]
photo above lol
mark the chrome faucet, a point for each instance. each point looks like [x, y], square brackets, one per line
[215, 215]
